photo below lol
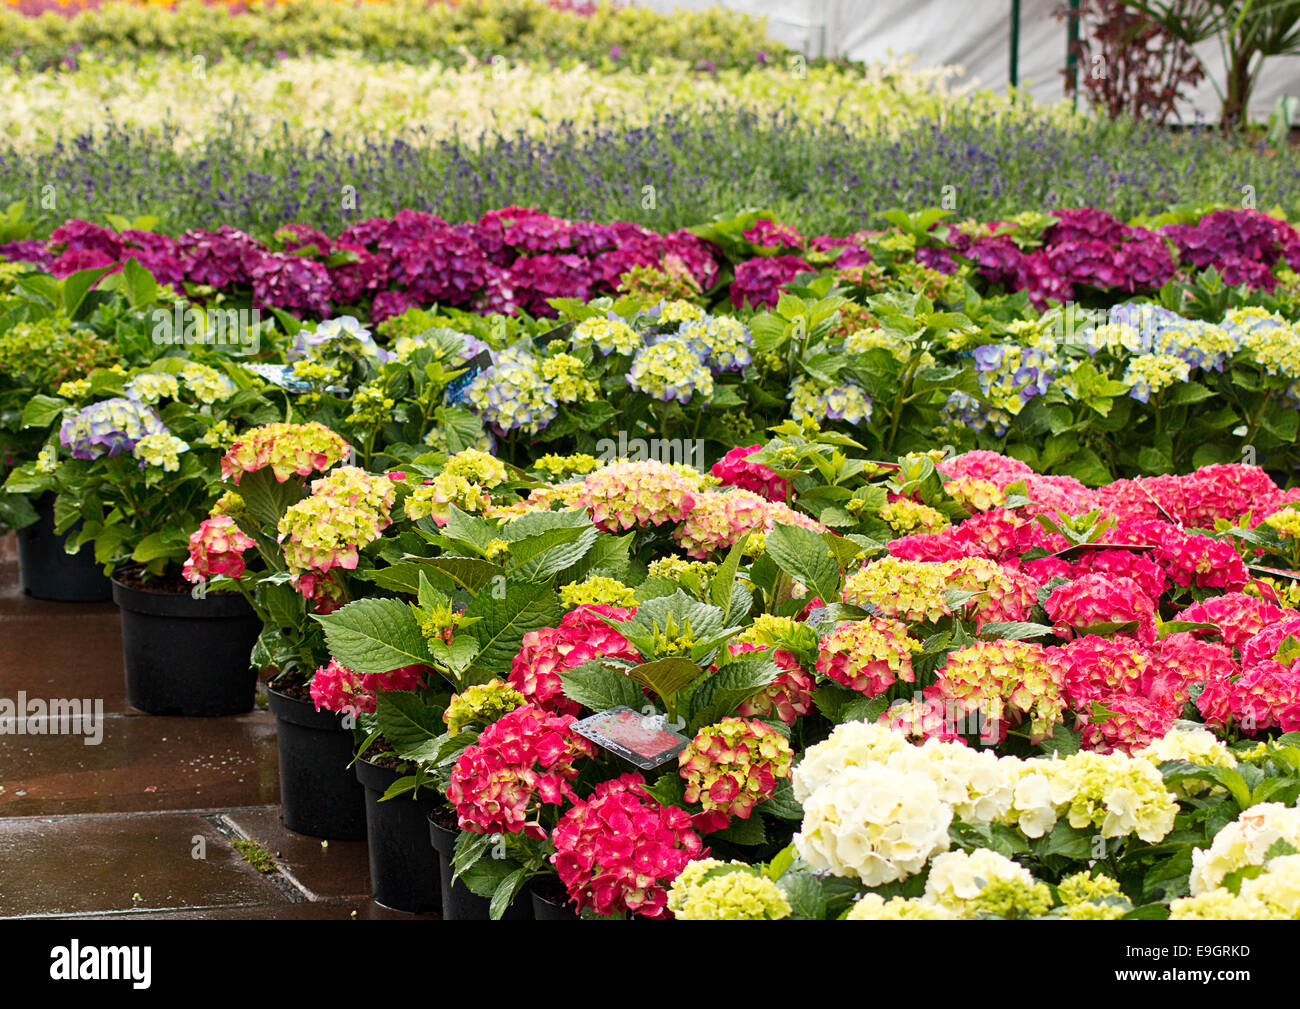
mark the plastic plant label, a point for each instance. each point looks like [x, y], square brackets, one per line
[639, 739]
[458, 389]
[565, 330]
[282, 375]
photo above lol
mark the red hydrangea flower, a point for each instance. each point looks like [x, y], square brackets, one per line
[732, 766]
[759, 281]
[335, 687]
[940, 546]
[1134, 564]
[1265, 696]
[1264, 644]
[1239, 616]
[1181, 660]
[983, 465]
[1203, 561]
[1096, 666]
[1101, 599]
[1132, 723]
[581, 637]
[521, 761]
[620, 850]
[993, 532]
[734, 471]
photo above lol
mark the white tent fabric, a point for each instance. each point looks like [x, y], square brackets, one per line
[972, 34]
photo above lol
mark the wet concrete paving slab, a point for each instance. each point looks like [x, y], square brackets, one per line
[325, 910]
[143, 763]
[319, 871]
[112, 830]
[82, 864]
[59, 650]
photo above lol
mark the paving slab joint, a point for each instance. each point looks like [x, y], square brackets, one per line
[287, 886]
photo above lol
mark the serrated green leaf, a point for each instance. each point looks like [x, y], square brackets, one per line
[374, 636]
[802, 554]
[406, 721]
[601, 684]
[525, 606]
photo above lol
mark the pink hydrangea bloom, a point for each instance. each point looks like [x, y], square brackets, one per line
[1132, 723]
[787, 697]
[524, 759]
[1101, 599]
[545, 653]
[1135, 564]
[925, 718]
[734, 471]
[337, 688]
[730, 767]
[1203, 561]
[286, 448]
[1239, 616]
[719, 519]
[868, 656]
[629, 495]
[217, 548]
[620, 850]
[982, 465]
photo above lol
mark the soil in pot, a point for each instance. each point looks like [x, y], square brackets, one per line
[404, 873]
[184, 655]
[320, 795]
[47, 571]
[459, 903]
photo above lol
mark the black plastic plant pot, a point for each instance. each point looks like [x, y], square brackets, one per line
[320, 795]
[186, 656]
[47, 571]
[404, 871]
[459, 903]
[546, 909]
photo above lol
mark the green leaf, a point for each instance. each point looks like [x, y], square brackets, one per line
[666, 676]
[746, 832]
[141, 288]
[783, 804]
[526, 606]
[1229, 778]
[265, 498]
[724, 691]
[77, 285]
[802, 554]
[1062, 740]
[171, 542]
[42, 411]
[506, 892]
[470, 529]
[610, 555]
[1014, 630]
[406, 721]
[780, 862]
[539, 557]
[601, 684]
[375, 636]
[446, 572]
[1065, 840]
[720, 587]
